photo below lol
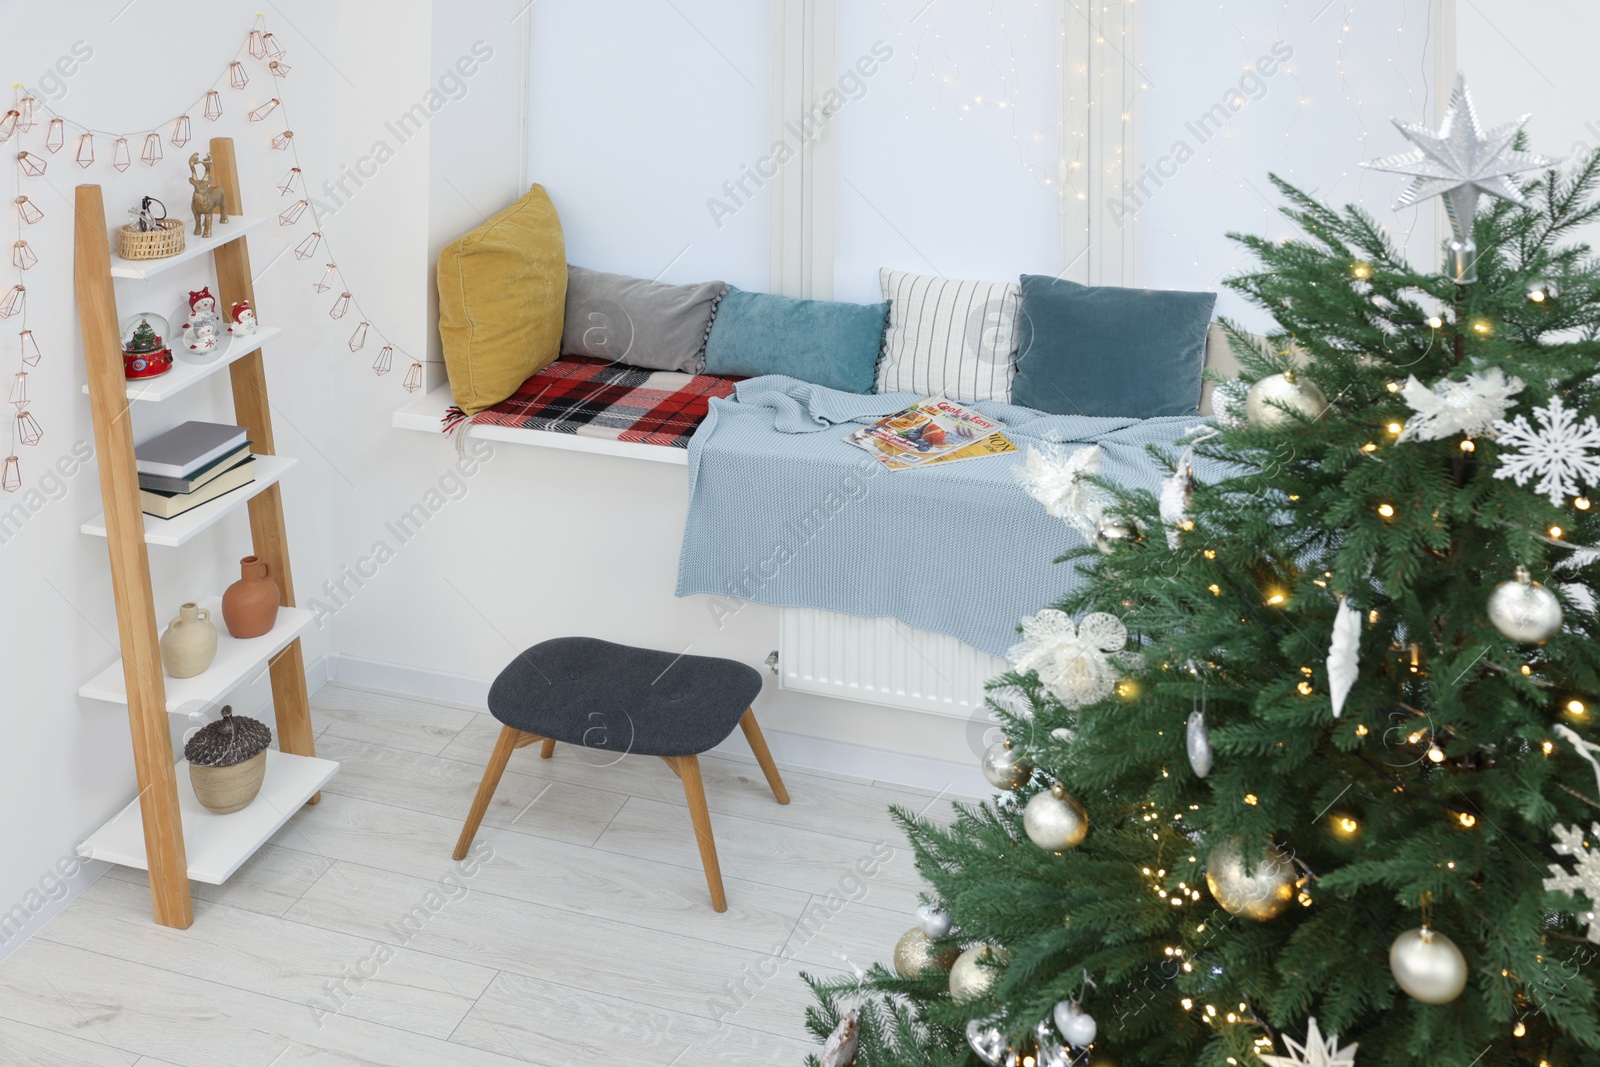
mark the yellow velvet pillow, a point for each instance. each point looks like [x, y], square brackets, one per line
[502, 294]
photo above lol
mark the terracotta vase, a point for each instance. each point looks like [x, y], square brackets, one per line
[250, 605]
[190, 643]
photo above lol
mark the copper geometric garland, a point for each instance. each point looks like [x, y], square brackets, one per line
[28, 429]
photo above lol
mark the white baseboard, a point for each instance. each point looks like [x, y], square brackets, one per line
[49, 897]
[791, 749]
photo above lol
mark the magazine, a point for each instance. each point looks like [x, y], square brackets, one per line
[931, 431]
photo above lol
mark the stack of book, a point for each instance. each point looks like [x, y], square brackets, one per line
[190, 465]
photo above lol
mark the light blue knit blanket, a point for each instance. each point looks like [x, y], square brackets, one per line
[783, 511]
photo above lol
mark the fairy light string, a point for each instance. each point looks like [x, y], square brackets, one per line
[260, 62]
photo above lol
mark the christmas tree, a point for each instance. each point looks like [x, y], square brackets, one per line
[1298, 773]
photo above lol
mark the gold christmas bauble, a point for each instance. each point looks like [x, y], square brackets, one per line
[1054, 820]
[916, 952]
[1261, 894]
[1265, 403]
[971, 979]
[1524, 610]
[1428, 966]
[1005, 767]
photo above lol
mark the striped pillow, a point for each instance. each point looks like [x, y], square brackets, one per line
[950, 337]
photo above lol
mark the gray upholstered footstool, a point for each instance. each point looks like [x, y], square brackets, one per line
[616, 698]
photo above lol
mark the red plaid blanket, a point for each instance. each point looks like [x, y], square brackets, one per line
[594, 398]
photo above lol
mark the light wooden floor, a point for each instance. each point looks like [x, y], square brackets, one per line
[584, 937]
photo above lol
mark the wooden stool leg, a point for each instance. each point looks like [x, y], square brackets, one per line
[509, 737]
[549, 748]
[758, 745]
[688, 768]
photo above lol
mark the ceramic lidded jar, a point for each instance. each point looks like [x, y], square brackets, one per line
[190, 643]
[250, 605]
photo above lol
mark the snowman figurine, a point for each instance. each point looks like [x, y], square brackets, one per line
[244, 319]
[201, 336]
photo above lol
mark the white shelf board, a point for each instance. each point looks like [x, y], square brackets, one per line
[237, 227]
[426, 412]
[182, 375]
[217, 845]
[179, 531]
[237, 662]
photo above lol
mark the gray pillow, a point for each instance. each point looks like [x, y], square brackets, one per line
[637, 321]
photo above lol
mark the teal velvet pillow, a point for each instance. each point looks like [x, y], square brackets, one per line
[1104, 350]
[820, 341]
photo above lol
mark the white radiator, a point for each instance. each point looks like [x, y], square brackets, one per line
[881, 661]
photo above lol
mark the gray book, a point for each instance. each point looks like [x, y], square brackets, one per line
[184, 449]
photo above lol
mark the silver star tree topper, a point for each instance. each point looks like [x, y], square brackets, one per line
[1318, 1051]
[1459, 162]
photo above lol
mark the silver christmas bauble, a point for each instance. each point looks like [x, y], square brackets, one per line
[1524, 610]
[1075, 1024]
[934, 922]
[1005, 767]
[1264, 404]
[1111, 534]
[971, 979]
[1055, 821]
[1428, 966]
[916, 952]
[987, 1041]
[1261, 894]
[1197, 741]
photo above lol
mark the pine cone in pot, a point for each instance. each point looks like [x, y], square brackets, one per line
[228, 761]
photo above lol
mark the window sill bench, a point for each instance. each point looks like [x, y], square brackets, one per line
[425, 413]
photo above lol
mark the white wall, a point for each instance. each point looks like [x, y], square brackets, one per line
[66, 763]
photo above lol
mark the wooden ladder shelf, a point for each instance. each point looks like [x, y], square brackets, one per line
[164, 829]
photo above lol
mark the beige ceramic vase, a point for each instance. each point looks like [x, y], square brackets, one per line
[190, 643]
[250, 605]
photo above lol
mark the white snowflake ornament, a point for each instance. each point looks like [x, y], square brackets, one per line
[1077, 661]
[1316, 1052]
[1584, 877]
[1448, 408]
[1060, 482]
[1344, 654]
[1561, 452]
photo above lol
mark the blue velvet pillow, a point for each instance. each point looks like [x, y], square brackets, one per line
[819, 341]
[1104, 350]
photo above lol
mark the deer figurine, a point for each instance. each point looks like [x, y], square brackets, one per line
[207, 197]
